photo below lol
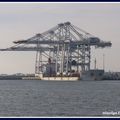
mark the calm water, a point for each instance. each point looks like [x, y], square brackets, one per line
[57, 98]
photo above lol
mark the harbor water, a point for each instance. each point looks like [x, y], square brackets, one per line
[59, 98]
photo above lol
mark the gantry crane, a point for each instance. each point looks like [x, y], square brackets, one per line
[65, 45]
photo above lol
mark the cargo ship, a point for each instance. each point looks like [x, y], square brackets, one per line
[87, 75]
[49, 73]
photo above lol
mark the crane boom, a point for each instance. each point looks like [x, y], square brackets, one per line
[27, 49]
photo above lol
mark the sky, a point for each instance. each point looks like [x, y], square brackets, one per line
[24, 20]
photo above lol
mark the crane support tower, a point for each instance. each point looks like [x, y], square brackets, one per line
[64, 50]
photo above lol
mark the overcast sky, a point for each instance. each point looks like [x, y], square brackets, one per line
[24, 20]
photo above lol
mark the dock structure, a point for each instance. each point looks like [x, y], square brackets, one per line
[62, 51]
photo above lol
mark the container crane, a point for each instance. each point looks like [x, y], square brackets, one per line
[64, 46]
